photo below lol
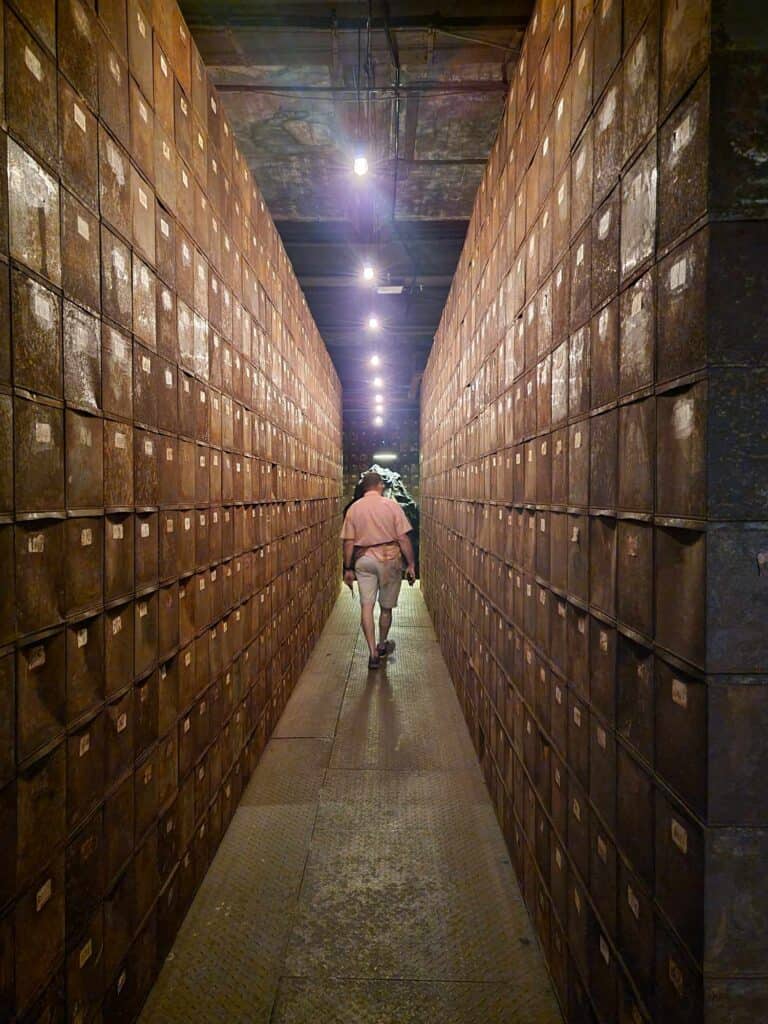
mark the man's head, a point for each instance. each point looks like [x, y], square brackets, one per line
[371, 482]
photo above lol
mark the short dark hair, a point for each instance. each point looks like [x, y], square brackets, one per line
[370, 482]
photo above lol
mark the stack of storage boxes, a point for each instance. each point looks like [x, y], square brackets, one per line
[170, 478]
[594, 538]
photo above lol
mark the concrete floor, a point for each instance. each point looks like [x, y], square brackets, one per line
[364, 877]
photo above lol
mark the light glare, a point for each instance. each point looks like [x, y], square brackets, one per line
[375, 361]
[368, 273]
[378, 382]
[360, 166]
[373, 322]
[378, 421]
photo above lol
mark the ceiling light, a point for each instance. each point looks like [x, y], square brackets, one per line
[375, 361]
[385, 456]
[378, 398]
[368, 273]
[373, 323]
[360, 166]
[390, 289]
[378, 421]
[378, 382]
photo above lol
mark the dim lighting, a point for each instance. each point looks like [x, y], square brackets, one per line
[378, 421]
[378, 382]
[360, 166]
[373, 323]
[368, 273]
[375, 361]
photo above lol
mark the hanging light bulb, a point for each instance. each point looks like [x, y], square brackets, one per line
[368, 272]
[378, 383]
[360, 165]
[378, 421]
[373, 323]
[378, 398]
[375, 361]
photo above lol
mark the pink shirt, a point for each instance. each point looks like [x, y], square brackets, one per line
[372, 522]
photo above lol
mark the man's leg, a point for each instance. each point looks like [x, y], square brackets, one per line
[385, 621]
[366, 619]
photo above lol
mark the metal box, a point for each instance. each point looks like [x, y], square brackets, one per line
[118, 556]
[36, 336]
[82, 359]
[113, 90]
[118, 648]
[85, 770]
[85, 667]
[39, 928]
[680, 593]
[79, 252]
[638, 212]
[39, 575]
[33, 215]
[30, 105]
[635, 813]
[603, 463]
[84, 560]
[116, 283]
[682, 296]
[79, 154]
[681, 453]
[146, 468]
[637, 445]
[635, 575]
[40, 821]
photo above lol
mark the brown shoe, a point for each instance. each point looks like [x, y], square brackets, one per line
[374, 662]
[386, 648]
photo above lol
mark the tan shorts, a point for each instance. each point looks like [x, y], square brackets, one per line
[377, 576]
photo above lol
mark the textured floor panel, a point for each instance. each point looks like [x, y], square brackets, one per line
[431, 902]
[303, 1001]
[364, 877]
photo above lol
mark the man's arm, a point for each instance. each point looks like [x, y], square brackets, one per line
[349, 573]
[410, 562]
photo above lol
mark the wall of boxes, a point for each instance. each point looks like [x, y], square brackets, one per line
[170, 481]
[594, 535]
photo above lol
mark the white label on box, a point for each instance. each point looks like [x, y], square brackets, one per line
[683, 417]
[165, 228]
[580, 255]
[82, 637]
[560, 107]
[582, 59]
[44, 893]
[679, 836]
[604, 225]
[214, 166]
[143, 114]
[142, 26]
[169, 525]
[184, 178]
[200, 141]
[143, 197]
[187, 522]
[183, 105]
[33, 63]
[117, 623]
[681, 135]
[202, 462]
[201, 584]
[608, 110]
[145, 529]
[142, 609]
[114, 67]
[115, 162]
[163, 65]
[120, 439]
[43, 308]
[85, 744]
[85, 953]
[122, 723]
[117, 531]
[577, 717]
[602, 324]
[601, 737]
[146, 364]
[678, 274]
[561, 194]
[42, 433]
[148, 447]
[581, 162]
[202, 519]
[79, 116]
[680, 693]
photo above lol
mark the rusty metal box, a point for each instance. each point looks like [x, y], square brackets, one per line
[146, 550]
[118, 648]
[634, 544]
[79, 252]
[637, 445]
[30, 105]
[680, 872]
[684, 164]
[84, 560]
[39, 928]
[146, 468]
[40, 823]
[145, 390]
[678, 981]
[85, 667]
[638, 212]
[635, 813]
[681, 453]
[114, 188]
[640, 87]
[84, 875]
[145, 707]
[682, 294]
[116, 285]
[36, 336]
[79, 152]
[118, 556]
[145, 632]
[39, 456]
[84, 458]
[680, 592]
[118, 829]
[33, 213]
[85, 770]
[113, 90]
[144, 303]
[82, 358]
[39, 575]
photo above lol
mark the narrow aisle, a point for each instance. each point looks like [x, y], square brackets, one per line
[364, 876]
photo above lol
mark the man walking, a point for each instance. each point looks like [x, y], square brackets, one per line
[375, 536]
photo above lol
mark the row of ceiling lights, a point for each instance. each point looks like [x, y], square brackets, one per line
[360, 167]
